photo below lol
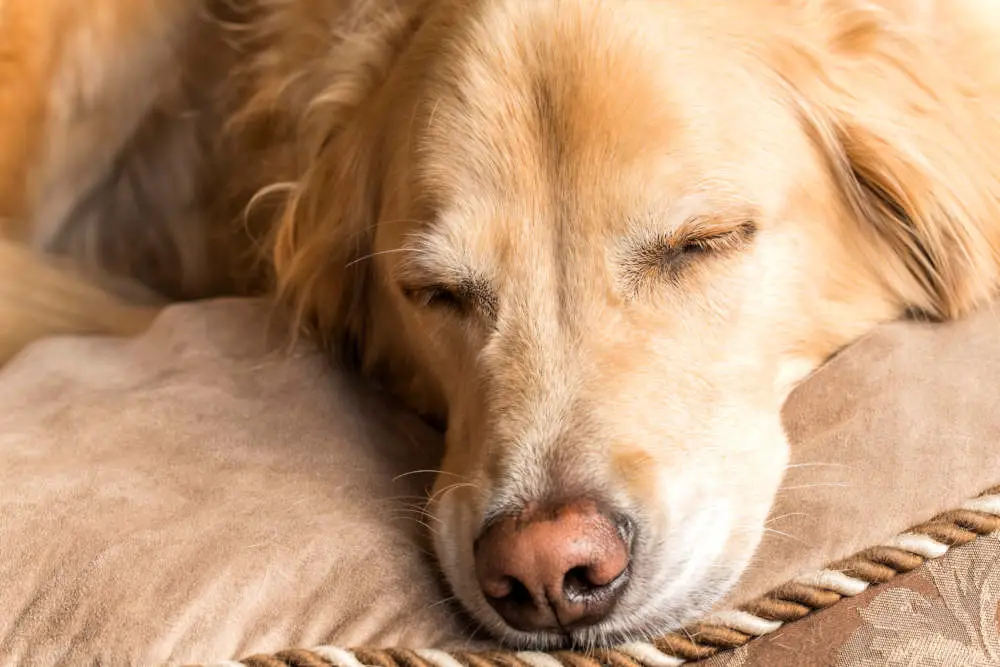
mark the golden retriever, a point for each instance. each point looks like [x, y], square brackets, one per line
[600, 240]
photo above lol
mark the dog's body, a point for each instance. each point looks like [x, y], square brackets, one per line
[603, 239]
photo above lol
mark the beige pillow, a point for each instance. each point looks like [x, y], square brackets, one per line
[193, 496]
[897, 428]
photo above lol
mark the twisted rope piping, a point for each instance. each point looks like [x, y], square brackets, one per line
[719, 632]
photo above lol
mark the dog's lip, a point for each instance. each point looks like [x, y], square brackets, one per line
[581, 638]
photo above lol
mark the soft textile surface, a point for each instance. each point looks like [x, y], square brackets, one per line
[901, 426]
[944, 614]
[194, 496]
[191, 496]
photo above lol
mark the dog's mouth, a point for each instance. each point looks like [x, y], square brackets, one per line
[644, 617]
[574, 576]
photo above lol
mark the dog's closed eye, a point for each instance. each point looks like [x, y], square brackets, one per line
[671, 255]
[709, 242]
[436, 296]
[463, 298]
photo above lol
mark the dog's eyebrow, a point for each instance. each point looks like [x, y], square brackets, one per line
[693, 214]
[425, 261]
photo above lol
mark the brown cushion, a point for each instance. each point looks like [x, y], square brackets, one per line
[193, 496]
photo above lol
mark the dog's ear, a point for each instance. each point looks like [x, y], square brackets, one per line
[331, 120]
[321, 244]
[912, 144]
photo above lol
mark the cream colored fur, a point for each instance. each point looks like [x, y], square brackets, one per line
[600, 240]
[40, 297]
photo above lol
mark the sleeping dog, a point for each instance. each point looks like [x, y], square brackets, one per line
[598, 240]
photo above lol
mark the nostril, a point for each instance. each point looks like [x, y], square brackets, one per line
[519, 593]
[508, 590]
[587, 583]
[578, 582]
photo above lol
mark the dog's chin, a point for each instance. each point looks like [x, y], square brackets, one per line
[622, 627]
[670, 592]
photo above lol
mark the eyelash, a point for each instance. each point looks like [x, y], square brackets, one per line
[672, 257]
[436, 296]
[718, 243]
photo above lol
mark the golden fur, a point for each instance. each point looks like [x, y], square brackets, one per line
[600, 239]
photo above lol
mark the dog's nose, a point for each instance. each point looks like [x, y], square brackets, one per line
[553, 568]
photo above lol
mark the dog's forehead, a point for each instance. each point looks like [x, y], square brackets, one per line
[585, 110]
[528, 94]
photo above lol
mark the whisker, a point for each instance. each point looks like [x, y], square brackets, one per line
[436, 531]
[779, 518]
[450, 488]
[788, 535]
[384, 223]
[365, 258]
[796, 487]
[428, 471]
[450, 598]
[410, 513]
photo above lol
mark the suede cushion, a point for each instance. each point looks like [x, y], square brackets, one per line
[191, 495]
[897, 428]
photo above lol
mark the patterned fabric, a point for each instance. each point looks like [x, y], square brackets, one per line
[944, 614]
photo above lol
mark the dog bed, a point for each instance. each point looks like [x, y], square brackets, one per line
[195, 496]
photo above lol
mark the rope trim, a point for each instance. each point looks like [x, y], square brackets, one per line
[718, 632]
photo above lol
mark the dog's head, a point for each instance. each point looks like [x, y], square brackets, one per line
[604, 240]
